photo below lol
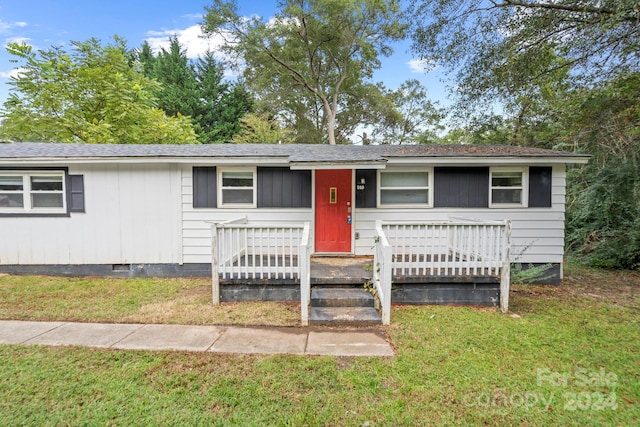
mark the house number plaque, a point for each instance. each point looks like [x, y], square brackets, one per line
[333, 195]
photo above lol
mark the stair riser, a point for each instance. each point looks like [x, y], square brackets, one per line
[341, 297]
[344, 323]
[344, 316]
[343, 302]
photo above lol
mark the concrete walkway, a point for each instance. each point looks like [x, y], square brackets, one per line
[217, 339]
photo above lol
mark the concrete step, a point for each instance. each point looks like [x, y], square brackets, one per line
[344, 316]
[341, 297]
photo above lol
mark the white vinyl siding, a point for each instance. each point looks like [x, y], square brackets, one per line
[405, 188]
[32, 192]
[132, 215]
[508, 187]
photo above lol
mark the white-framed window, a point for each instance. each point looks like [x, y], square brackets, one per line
[32, 192]
[237, 187]
[405, 188]
[508, 187]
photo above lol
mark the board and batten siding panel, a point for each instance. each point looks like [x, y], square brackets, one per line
[463, 187]
[196, 226]
[537, 233]
[282, 188]
[131, 216]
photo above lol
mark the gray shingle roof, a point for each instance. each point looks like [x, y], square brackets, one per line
[292, 152]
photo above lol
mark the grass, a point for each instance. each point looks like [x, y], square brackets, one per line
[567, 356]
[178, 301]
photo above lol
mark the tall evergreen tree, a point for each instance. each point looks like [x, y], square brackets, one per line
[198, 90]
[146, 58]
[222, 104]
[179, 93]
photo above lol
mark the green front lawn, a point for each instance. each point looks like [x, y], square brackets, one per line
[570, 357]
[178, 301]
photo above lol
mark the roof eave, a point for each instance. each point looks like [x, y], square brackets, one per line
[501, 160]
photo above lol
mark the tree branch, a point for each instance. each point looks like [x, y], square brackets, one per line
[569, 8]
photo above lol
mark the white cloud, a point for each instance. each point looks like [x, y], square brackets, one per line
[13, 73]
[17, 40]
[420, 66]
[193, 16]
[6, 27]
[191, 38]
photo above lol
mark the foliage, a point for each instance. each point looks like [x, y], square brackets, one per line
[259, 128]
[178, 93]
[411, 116]
[485, 130]
[498, 48]
[529, 273]
[197, 90]
[603, 212]
[313, 58]
[90, 94]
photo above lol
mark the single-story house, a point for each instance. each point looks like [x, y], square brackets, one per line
[81, 209]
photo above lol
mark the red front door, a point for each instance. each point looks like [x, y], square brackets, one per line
[333, 210]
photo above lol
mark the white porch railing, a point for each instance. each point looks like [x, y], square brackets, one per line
[382, 265]
[240, 250]
[305, 273]
[460, 247]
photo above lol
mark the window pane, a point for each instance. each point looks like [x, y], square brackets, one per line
[10, 183]
[46, 200]
[237, 196]
[404, 179]
[401, 197]
[506, 179]
[506, 196]
[46, 183]
[11, 201]
[237, 179]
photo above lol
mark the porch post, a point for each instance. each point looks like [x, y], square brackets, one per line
[386, 283]
[505, 274]
[304, 255]
[215, 275]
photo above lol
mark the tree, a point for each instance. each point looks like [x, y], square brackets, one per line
[222, 104]
[603, 200]
[146, 58]
[197, 90]
[259, 128]
[179, 92]
[325, 49]
[412, 117]
[498, 47]
[90, 94]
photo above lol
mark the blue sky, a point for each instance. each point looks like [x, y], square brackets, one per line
[43, 23]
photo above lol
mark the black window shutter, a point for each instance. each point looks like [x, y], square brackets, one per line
[540, 187]
[76, 193]
[205, 193]
[366, 198]
[461, 187]
[283, 188]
